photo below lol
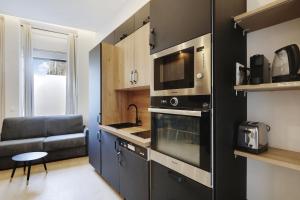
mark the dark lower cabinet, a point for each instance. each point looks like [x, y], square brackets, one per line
[110, 163]
[169, 185]
[134, 176]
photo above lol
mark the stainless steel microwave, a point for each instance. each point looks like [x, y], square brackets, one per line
[183, 70]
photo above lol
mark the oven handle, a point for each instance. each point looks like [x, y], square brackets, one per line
[175, 112]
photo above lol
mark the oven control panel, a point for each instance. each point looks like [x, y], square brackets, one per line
[182, 102]
[174, 101]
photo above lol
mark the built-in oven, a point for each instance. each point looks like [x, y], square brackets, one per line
[181, 135]
[183, 70]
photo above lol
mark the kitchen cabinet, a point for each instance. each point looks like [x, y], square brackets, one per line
[94, 108]
[142, 16]
[110, 163]
[125, 51]
[134, 59]
[167, 184]
[134, 176]
[124, 30]
[142, 59]
[174, 22]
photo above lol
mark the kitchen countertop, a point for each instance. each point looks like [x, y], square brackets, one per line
[126, 134]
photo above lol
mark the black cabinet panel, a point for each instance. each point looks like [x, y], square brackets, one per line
[177, 21]
[110, 164]
[230, 46]
[94, 107]
[169, 185]
[134, 176]
[124, 30]
[142, 16]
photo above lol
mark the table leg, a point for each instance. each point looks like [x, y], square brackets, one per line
[28, 173]
[24, 167]
[13, 172]
[45, 166]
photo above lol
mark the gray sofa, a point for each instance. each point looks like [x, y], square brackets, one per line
[61, 136]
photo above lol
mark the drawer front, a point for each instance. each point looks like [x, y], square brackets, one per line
[169, 185]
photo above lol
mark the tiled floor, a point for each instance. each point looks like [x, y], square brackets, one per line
[72, 179]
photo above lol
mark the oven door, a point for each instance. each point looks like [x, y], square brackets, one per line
[183, 135]
[183, 70]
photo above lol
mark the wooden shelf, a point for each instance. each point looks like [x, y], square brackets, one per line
[271, 14]
[274, 156]
[295, 85]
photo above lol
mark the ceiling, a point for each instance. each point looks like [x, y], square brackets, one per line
[101, 16]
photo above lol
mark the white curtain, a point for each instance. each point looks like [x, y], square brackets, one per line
[2, 100]
[28, 70]
[71, 95]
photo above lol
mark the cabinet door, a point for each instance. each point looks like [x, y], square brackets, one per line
[134, 176]
[110, 165]
[177, 21]
[169, 185]
[142, 56]
[142, 16]
[125, 62]
[125, 29]
[94, 108]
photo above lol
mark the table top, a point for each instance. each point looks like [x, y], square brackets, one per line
[30, 156]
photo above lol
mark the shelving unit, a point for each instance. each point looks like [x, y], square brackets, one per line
[274, 156]
[295, 85]
[271, 14]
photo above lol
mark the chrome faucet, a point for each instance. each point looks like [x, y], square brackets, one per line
[137, 121]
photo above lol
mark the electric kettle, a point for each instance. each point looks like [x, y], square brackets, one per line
[286, 64]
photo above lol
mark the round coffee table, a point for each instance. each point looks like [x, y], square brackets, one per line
[27, 159]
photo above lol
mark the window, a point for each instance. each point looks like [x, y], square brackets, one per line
[49, 86]
[44, 63]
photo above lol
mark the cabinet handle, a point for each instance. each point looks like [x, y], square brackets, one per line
[131, 77]
[203, 60]
[119, 155]
[152, 39]
[135, 77]
[99, 136]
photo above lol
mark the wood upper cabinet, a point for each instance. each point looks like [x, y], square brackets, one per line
[134, 59]
[142, 56]
[125, 50]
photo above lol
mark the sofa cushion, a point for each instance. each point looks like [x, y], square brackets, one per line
[65, 124]
[54, 143]
[23, 128]
[13, 147]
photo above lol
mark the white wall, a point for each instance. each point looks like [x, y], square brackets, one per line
[85, 41]
[11, 63]
[124, 14]
[281, 110]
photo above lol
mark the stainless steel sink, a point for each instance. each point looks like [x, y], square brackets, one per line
[123, 125]
[143, 134]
